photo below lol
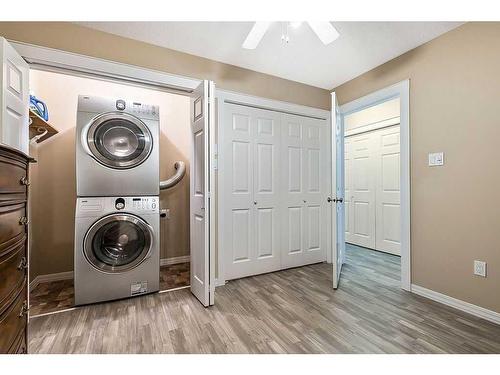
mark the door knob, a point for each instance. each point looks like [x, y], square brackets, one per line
[336, 200]
[254, 202]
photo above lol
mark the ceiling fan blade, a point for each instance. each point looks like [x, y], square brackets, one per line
[325, 31]
[255, 35]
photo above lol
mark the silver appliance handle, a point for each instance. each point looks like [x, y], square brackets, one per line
[180, 167]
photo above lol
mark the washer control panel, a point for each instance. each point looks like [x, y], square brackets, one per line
[93, 206]
[144, 110]
[145, 203]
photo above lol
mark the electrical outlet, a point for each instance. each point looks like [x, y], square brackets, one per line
[480, 268]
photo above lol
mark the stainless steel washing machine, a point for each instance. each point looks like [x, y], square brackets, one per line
[117, 251]
[117, 147]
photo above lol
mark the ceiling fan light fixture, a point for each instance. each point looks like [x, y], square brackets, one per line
[255, 35]
[325, 31]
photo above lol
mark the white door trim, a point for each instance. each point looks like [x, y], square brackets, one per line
[401, 90]
[224, 96]
[43, 58]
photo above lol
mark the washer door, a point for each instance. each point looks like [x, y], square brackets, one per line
[118, 243]
[119, 140]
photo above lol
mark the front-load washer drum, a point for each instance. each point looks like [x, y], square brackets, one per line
[119, 140]
[118, 243]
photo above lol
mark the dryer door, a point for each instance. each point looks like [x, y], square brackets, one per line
[118, 242]
[119, 140]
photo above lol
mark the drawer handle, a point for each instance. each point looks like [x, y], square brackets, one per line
[23, 264]
[23, 221]
[24, 181]
[24, 309]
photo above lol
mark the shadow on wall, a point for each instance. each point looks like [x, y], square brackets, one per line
[54, 216]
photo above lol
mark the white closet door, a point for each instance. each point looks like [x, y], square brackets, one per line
[362, 194]
[202, 250]
[14, 98]
[347, 189]
[388, 206]
[305, 179]
[251, 151]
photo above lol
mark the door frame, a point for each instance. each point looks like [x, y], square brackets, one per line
[401, 90]
[49, 59]
[232, 97]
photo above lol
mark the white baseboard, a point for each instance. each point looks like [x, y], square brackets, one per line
[69, 275]
[174, 260]
[219, 282]
[50, 277]
[467, 307]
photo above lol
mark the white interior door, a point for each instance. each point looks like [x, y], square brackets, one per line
[337, 192]
[362, 190]
[251, 190]
[305, 207]
[388, 196]
[347, 189]
[202, 253]
[14, 98]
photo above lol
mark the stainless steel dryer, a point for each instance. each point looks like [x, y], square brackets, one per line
[117, 147]
[117, 252]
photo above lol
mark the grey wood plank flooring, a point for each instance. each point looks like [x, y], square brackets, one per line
[292, 311]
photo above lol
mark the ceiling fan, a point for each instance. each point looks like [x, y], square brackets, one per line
[325, 31]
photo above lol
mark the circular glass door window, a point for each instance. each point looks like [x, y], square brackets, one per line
[119, 140]
[118, 243]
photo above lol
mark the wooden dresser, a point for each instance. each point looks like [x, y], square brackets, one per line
[13, 250]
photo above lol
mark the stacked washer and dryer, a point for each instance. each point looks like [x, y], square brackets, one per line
[117, 225]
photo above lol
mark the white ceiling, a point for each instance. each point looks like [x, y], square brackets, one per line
[361, 46]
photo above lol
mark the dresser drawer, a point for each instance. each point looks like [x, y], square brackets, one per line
[13, 178]
[13, 321]
[13, 224]
[13, 265]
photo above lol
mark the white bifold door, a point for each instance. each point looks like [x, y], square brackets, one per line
[274, 183]
[202, 214]
[14, 98]
[305, 182]
[251, 191]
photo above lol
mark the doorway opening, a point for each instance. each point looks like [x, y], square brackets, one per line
[372, 183]
[372, 186]
[53, 185]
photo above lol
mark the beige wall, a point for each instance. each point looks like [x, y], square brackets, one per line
[53, 189]
[82, 40]
[454, 105]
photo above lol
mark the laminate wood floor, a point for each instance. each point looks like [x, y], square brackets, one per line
[60, 295]
[292, 311]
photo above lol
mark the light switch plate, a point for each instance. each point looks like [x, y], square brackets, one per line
[436, 159]
[480, 268]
